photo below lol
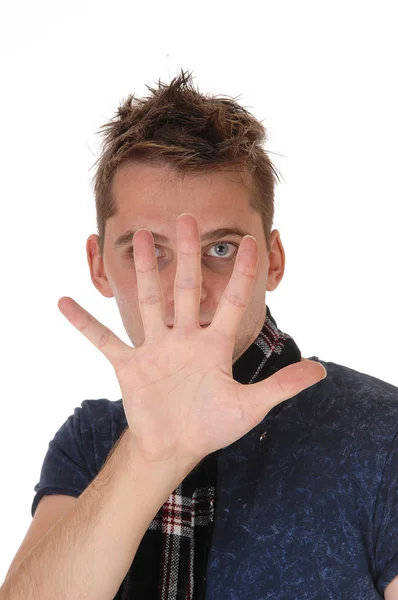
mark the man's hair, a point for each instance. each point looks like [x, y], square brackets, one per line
[195, 134]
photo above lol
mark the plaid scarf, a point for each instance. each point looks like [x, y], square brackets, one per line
[171, 561]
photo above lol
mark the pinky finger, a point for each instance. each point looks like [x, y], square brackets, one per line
[115, 350]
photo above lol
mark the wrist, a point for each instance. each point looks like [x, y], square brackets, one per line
[167, 473]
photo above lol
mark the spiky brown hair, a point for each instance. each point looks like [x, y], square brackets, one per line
[194, 133]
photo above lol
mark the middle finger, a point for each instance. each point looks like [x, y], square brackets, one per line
[188, 280]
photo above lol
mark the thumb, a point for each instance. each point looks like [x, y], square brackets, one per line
[259, 398]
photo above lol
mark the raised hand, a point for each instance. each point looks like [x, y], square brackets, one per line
[179, 395]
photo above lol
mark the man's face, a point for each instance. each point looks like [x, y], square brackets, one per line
[152, 198]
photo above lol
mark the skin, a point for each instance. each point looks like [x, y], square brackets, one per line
[152, 198]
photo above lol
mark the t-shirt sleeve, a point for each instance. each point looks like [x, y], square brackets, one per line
[386, 521]
[65, 469]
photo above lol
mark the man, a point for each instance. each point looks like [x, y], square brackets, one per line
[231, 467]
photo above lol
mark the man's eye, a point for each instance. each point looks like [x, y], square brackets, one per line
[221, 249]
[130, 251]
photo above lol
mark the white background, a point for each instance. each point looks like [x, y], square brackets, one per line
[321, 76]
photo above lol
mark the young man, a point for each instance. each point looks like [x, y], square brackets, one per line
[230, 468]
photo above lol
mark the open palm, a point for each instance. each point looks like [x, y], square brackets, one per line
[179, 395]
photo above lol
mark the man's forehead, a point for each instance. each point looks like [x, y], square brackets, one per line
[160, 187]
[142, 202]
[167, 173]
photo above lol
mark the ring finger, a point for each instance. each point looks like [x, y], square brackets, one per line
[150, 295]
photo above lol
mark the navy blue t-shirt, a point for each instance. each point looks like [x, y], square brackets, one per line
[306, 502]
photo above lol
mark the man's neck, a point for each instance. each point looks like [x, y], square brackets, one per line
[256, 332]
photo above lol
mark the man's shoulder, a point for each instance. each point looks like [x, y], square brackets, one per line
[101, 412]
[95, 426]
[358, 383]
[359, 400]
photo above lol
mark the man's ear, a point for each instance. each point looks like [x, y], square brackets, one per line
[97, 267]
[276, 258]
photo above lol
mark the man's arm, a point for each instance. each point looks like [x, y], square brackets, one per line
[88, 552]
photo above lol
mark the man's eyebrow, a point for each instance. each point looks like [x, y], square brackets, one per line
[214, 234]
